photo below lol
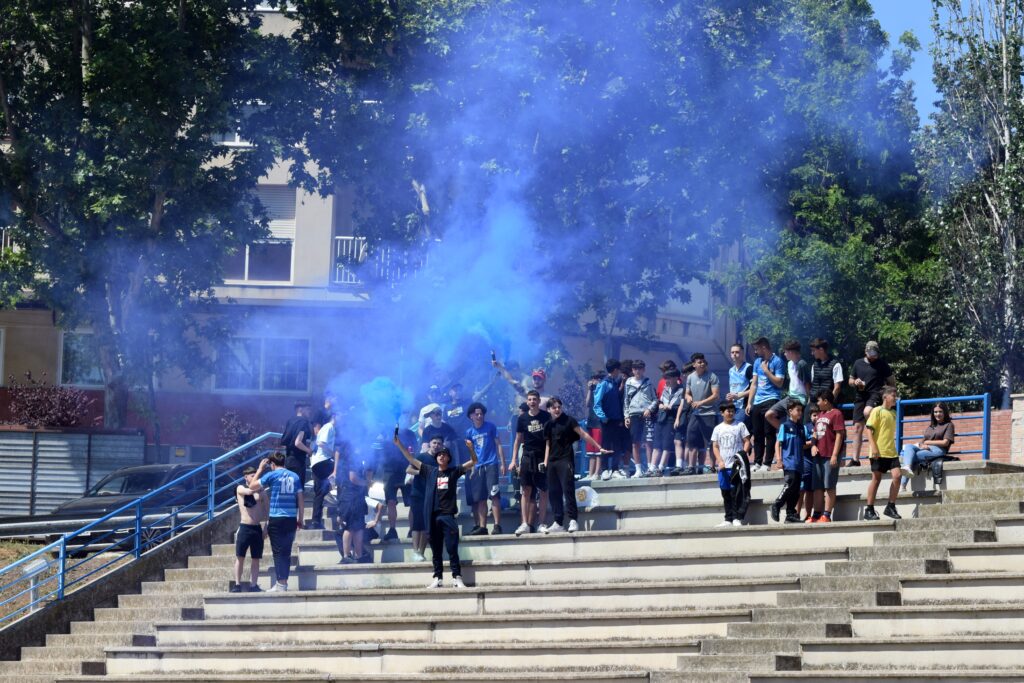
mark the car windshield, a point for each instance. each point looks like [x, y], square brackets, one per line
[127, 484]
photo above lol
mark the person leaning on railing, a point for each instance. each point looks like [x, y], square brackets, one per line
[933, 447]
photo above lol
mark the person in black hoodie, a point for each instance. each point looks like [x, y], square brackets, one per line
[440, 507]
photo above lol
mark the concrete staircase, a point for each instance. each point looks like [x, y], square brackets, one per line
[653, 592]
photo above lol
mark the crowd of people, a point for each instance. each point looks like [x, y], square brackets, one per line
[776, 412]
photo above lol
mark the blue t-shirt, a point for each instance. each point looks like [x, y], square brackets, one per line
[766, 391]
[739, 380]
[485, 442]
[793, 437]
[284, 486]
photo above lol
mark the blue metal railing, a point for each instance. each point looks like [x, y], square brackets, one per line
[123, 535]
[985, 417]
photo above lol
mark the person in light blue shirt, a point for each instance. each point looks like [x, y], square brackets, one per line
[286, 507]
[769, 376]
[741, 375]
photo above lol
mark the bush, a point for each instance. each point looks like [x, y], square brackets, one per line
[35, 403]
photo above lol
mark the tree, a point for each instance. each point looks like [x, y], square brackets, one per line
[124, 203]
[972, 157]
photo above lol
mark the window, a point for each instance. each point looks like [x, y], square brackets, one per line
[269, 260]
[272, 365]
[80, 360]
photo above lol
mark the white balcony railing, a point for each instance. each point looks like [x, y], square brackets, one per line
[356, 263]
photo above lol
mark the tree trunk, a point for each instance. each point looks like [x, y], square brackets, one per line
[115, 403]
[1006, 380]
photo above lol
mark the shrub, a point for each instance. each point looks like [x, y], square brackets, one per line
[35, 403]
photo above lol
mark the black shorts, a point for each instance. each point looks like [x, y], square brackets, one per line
[640, 429]
[698, 430]
[481, 483]
[249, 539]
[872, 400]
[883, 465]
[615, 437]
[664, 436]
[529, 475]
[394, 481]
[296, 465]
[351, 512]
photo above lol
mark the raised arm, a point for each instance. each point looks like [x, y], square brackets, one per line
[590, 440]
[472, 456]
[413, 462]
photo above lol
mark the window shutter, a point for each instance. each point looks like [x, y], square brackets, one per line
[279, 203]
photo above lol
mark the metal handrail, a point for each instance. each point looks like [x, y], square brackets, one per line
[985, 416]
[120, 535]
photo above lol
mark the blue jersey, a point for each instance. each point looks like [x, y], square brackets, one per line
[284, 487]
[485, 442]
[793, 436]
[766, 391]
[739, 380]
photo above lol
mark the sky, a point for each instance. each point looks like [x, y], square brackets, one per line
[897, 16]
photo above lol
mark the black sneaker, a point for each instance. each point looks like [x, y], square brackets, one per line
[253, 588]
[315, 526]
[408, 534]
[853, 463]
[890, 511]
[391, 535]
[478, 531]
[348, 559]
[497, 530]
[870, 514]
[793, 519]
[775, 511]
[235, 588]
[688, 471]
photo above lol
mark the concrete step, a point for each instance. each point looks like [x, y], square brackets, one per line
[828, 599]
[606, 675]
[789, 615]
[943, 523]
[749, 646]
[1009, 528]
[943, 653]
[868, 676]
[863, 582]
[96, 640]
[542, 571]
[927, 621]
[193, 585]
[627, 544]
[178, 599]
[376, 658]
[66, 652]
[890, 567]
[1012, 507]
[112, 627]
[42, 667]
[985, 494]
[987, 557]
[707, 663]
[797, 630]
[934, 537]
[698, 594]
[227, 559]
[964, 588]
[899, 552]
[1004, 480]
[698, 677]
[455, 629]
[134, 615]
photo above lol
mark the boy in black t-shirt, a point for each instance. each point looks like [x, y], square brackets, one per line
[560, 435]
[440, 506]
[295, 439]
[530, 433]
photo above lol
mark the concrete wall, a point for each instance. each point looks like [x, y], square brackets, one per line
[1017, 429]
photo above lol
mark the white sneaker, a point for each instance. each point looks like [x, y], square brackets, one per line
[606, 475]
[573, 526]
[724, 523]
[618, 474]
[523, 528]
[637, 473]
[279, 588]
[418, 557]
[457, 582]
[737, 522]
[543, 528]
[436, 583]
[553, 529]
[908, 473]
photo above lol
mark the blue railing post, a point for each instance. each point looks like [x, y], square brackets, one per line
[62, 558]
[986, 425]
[899, 426]
[211, 489]
[138, 528]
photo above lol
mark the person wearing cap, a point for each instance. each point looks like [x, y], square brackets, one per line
[253, 510]
[440, 507]
[868, 377]
[434, 397]
[538, 379]
[435, 426]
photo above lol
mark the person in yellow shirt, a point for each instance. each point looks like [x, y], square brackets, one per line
[884, 456]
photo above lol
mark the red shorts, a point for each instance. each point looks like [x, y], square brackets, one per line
[596, 434]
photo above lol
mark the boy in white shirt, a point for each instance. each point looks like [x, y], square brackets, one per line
[731, 443]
